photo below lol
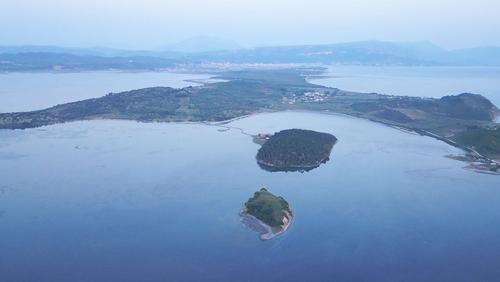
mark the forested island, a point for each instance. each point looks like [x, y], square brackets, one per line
[466, 120]
[295, 150]
[267, 214]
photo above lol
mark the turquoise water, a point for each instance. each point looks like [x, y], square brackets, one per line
[416, 81]
[127, 201]
[34, 91]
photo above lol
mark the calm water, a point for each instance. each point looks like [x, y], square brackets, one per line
[416, 81]
[34, 91]
[125, 201]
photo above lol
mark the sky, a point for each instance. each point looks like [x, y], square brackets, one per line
[149, 24]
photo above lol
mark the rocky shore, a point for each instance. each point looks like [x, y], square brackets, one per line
[266, 232]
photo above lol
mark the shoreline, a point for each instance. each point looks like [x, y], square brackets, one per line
[266, 232]
[469, 152]
[471, 155]
[291, 167]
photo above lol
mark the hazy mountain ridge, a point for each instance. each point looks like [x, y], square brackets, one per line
[359, 53]
[40, 61]
[365, 52]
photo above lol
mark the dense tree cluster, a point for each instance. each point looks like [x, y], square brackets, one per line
[481, 139]
[296, 148]
[267, 207]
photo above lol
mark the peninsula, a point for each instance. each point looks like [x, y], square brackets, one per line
[465, 120]
[267, 214]
[295, 150]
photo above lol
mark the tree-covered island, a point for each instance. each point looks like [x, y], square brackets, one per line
[295, 150]
[267, 214]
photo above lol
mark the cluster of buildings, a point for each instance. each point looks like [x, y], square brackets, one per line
[307, 97]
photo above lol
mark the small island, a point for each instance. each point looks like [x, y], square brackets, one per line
[267, 214]
[295, 150]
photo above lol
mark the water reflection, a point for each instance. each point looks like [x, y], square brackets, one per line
[289, 169]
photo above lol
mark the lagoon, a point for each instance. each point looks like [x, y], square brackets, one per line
[127, 201]
[415, 81]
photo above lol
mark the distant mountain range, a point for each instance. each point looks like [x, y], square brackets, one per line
[46, 61]
[209, 50]
[198, 44]
[363, 53]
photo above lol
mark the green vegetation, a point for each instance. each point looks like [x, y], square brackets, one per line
[268, 208]
[295, 149]
[253, 91]
[212, 102]
[482, 140]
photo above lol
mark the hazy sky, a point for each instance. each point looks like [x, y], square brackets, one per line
[155, 23]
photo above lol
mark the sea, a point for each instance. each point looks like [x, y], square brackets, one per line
[110, 200]
[433, 82]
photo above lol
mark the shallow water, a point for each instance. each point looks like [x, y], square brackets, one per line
[416, 81]
[127, 201]
[35, 91]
